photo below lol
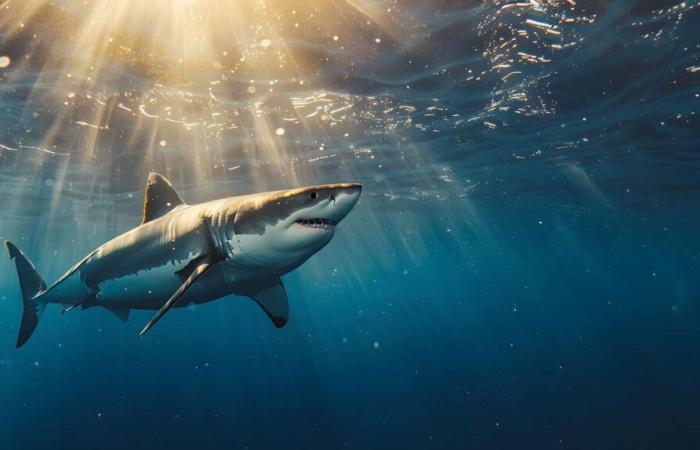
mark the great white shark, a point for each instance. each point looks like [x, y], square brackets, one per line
[182, 254]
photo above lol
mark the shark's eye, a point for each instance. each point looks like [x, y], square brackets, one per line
[313, 195]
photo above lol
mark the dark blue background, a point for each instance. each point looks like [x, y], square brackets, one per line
[492, 289]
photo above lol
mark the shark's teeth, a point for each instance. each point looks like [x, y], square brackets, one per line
[322, 224]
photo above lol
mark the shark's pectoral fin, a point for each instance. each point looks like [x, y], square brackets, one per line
[119, 311]
[202, 267]
[272, 298]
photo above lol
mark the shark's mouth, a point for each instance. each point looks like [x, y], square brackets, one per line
[322, 224]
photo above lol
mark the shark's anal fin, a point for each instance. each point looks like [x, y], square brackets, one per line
[121, 312]
[272, 298]
[205, 264]
[160, 198]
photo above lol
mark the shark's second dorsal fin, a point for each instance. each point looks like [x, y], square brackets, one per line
[160, 197]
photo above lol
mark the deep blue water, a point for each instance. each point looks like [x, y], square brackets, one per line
[522, 270]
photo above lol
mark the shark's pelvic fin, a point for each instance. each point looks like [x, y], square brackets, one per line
[272, 298]
[160, 197]
[205, 264]
[121, 312]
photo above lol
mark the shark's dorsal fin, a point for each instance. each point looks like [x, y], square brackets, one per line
[160, 198]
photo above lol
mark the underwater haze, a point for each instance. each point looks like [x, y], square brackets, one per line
[522, 270]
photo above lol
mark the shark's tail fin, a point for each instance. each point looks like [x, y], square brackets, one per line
[32, 285]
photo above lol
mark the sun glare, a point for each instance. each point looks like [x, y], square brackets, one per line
[216, 79]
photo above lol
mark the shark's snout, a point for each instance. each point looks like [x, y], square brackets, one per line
[333, 203]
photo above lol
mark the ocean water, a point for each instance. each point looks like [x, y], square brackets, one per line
[522, 270]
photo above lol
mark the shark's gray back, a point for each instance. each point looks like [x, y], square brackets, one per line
[175, 239]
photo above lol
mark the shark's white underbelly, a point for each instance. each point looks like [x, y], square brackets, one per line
[147, 288]
[154, 285]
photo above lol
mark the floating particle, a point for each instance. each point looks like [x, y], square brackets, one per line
[5, 61]
[376, 344]
[163, 143]
[280, 132]
[71, 95]
[251, 89]
[378, 40]
[674, 308]
[538, 24]
[335, 38]
[265, 43]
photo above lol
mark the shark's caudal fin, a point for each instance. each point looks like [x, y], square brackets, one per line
[32, 285]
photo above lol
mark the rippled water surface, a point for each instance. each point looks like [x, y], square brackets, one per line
[522, 270]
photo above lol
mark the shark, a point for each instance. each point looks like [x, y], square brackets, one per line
[182, 254]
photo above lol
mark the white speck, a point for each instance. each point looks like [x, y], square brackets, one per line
[335, 38]
[36, 363]
[378, 40]
[265, 43]
[280, 132]
[163, 143]
[376, 344]
[5, 61]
